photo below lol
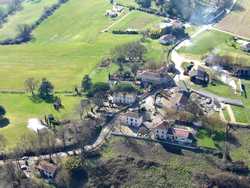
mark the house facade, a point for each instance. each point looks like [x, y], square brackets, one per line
[241, 71]
[246, 47]
[161, 130]
[124, 98]
[199, 76]
[47, 169]
[133, 119]
[181, 135]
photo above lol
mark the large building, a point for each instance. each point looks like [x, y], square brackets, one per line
[175, 98]
[178, 134]
[133, 119]
[124, 98]
[155, 78]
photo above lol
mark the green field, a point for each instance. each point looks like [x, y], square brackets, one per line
[65, 47]
[31, 11]
[65, 52]
[138, 20]
[213, 42]
[20, 108]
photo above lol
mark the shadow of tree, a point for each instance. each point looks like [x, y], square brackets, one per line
[172, 149]
[38, 99]
[4, 122]
[238, 8]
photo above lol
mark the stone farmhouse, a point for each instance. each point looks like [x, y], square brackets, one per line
[133, 119]
[179, 134]
[155, 78]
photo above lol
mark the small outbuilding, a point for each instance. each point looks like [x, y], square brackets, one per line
[47, 169]
[168, 39]
[199, 76]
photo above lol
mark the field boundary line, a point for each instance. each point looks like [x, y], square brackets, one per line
[116, 22]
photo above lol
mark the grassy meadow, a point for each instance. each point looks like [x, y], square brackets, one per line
[65, 47]
[138, 20]
[30, 12]
[20, 108]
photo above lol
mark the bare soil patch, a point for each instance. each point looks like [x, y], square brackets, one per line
[238, 21]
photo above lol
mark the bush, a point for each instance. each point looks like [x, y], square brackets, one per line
[126, 32]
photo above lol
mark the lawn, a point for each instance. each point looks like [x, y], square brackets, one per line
[206, 42]
[138, 20]
[20, 108]
[31, 11]
[205, 140]
[213, 42]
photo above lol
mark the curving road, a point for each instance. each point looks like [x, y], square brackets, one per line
[178, 59]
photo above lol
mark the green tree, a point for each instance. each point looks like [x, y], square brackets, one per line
[46, 89]
[99, 87]
[2, 112]
[144, 3]
[24, 32]
[133, 51]
[86, 83]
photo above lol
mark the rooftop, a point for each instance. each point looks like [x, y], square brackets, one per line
[132, 114]
[163, 125]
[47, 166]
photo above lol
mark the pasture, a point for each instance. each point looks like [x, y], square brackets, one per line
[238, 21]
[64, 48]
[20, 108]
[30, 12]
[138, 20]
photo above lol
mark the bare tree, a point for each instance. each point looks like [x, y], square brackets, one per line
[2, 144]
[84, 107]
[30, 85]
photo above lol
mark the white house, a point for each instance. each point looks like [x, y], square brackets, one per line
[246, 47]
[133, 119]
[161, 130]
[124, 98]
[181, 135]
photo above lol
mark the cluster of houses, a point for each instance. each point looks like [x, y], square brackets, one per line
[238, 69]
[140, 120]
[174, 133]
[43, 168]
[163, 130]
[171, 31]
[115, 11]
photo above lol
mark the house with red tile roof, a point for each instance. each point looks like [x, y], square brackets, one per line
[180, 134]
